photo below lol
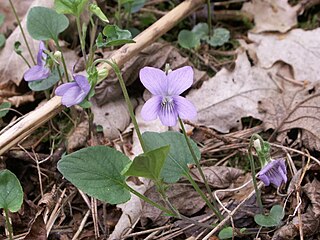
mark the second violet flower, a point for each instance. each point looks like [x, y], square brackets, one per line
[74, 93]
[166, 88]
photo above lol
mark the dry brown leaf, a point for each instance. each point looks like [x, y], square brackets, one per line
[12, 67]
[312, 190]
[113, 117]
[218, 176]
[272, 15]
[156, 55]
[182, 196]
[78, 137]
[37, 230]
[10, 22]
[252, 91]
[298, 48]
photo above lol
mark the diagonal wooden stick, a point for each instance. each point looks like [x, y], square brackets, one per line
[36, 118]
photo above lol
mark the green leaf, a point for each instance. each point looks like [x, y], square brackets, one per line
[97, 172]
[2, 40]
[226, 233]
[220, 37]
[2, 17]
[94, 8]
[176, 164]
[273, 219]
[46, 83]
[4, 108]
[115, 36]
[134, 6]
[188, 39]
[149, 164]
[74, 7]
[11, 193]
[44, 23]
[201, 30]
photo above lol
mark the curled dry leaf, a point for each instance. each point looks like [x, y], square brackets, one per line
[272, 15]
[78, 137]
[312, 191]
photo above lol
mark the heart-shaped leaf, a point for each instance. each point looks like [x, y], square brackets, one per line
[11, 194]
[45, 23]
[273, 219]
[188, 39]
[134, 6]
[220, 37]
[97, 172]
[176, 164]
[149, 164]
[201, 30]
[46, 83]
[115, 36]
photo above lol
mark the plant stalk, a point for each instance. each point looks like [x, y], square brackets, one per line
[62, 59]
[81, 39]
[127, 99]
[22, 31]
[8, 223]
[217, 212]
[254, 179]
[209, 18]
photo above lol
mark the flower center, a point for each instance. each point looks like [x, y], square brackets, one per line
[166, 101]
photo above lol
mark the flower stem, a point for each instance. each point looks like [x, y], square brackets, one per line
[22, 31]
[253, 172]
[215, 205]
[81, 39]
[209, 18]
[127, 99]
[8, 223]
[62, 59]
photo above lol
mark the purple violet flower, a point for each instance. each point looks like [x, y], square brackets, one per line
[74, 93]
[39, 71]
[274, 172]
[166, 102]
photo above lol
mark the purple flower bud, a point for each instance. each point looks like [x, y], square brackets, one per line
[166, 102]
[74, 93]
[274, 172]
[39, 71]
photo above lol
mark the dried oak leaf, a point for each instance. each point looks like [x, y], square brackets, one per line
[312, 190]
[252, 91]
[298, 48]
[182, 196]
[272, 15]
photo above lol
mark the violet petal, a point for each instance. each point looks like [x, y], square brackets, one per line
[73, 96]
[151, 108]
[180, 80]
[36, 73]
[62, 89]
[154, 80]
[83, 83]
[41, 56]
[168, 115]
[185, 109]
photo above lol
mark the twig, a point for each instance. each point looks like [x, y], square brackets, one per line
[83, 222]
